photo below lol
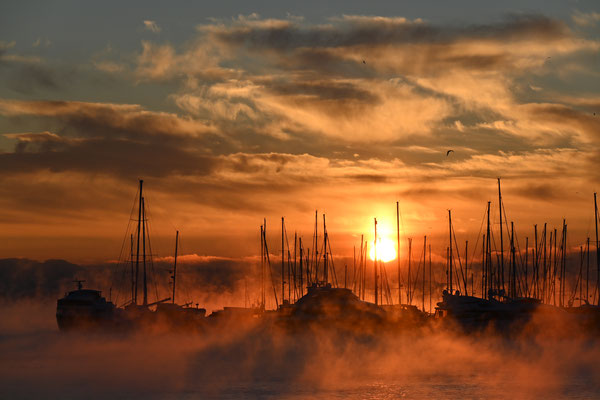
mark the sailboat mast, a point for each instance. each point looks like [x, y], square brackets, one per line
[282, 266]
[295, 269]
[450, 250]
[483, 254]
[398, 251]
[410, 288]
[544, 264]
[175, 264]
[526, 262]
[513, 260]
[262, 270]
[360, 269]
[564, 263]
[536, 265]
[315, 248]
[375, 260]
[424, 258]
[501, 266]
[144, 251]
[430, 278]
[466, 276]
[488, 258]
[132, 270]
[597, 250]
[587, 276]
[137, 253]
[325, 264]
[301, 282]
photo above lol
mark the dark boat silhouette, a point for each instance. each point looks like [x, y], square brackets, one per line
[87, 309]
[84, 309]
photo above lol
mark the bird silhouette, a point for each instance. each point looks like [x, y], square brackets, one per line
[448, 152]
[364, 62]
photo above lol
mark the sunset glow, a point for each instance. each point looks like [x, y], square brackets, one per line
[299, 199]
[386, 250]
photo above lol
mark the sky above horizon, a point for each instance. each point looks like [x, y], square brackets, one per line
[237, 111]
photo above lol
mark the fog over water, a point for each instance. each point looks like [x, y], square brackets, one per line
[263, 361]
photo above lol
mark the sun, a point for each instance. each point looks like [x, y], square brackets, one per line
[386, 250]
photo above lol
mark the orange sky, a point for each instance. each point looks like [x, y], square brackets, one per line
[252, 117]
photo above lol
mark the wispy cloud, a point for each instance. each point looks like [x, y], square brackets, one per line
[151, 26]
[586, 19]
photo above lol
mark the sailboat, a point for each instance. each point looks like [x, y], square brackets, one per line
[496, 307]
[86, 308]
[171, 315]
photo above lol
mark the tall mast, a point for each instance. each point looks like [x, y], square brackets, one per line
[360, 269]
[597, 250]
[483, 258]
[564, 263]
[501, 266]
[175, 264]
[545, 264]
[354, 268]
[137, 253]
[410, 288]
[398, 255]
[282, 266]
[450, 249]
[316, 248]
[295, 270]
[587, 276]
[526, 261]
[325, 264]
[132, 270]
[554, 267]
[466, 277]
[513, 284]
[488, 252]
[430, 278]
[423, 286]
[262, 270]
[375, 260]
[301, 282]
[144, 251]
[580, 276]
[536, 265]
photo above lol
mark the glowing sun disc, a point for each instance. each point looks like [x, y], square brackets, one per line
[386, 250]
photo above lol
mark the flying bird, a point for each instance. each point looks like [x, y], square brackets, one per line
[448, 152]
[364, 62]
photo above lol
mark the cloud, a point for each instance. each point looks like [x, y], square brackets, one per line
[7, 45]
[106, 119]
[44, 42]
[345, 79]
[270, 116]
[586, 19]
[151, 26]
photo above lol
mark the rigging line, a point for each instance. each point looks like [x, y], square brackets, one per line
[422, 259]
[147, 217]
[124, 265]
[405, 238]
[270, 269]
[185, 286]
[400, 278]
[459, 260]
[332, 264]
[479, 235]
